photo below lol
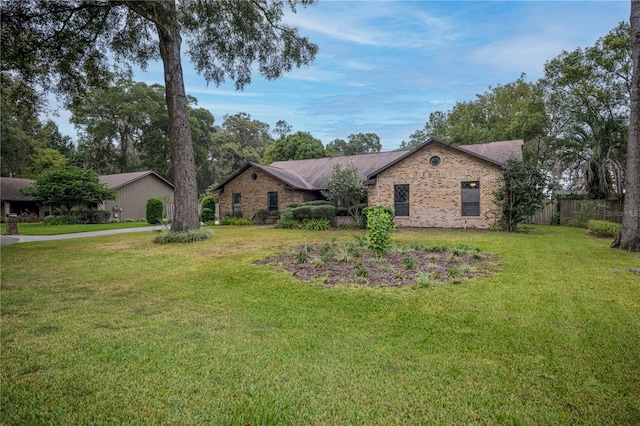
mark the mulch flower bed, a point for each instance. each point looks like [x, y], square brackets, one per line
[352, 263]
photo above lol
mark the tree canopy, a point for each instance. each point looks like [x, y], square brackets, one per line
[297, 146]
[587, 94]
[71, 45]
[69, 187]
[239, 139]
[358, 143]
[24, 138]
[513, 111]
[573, 121]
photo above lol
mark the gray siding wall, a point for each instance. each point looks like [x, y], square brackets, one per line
[132, 198]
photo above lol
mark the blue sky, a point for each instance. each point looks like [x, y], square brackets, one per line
[383, 66]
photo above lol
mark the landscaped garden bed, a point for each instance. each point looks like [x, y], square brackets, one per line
[351, 262]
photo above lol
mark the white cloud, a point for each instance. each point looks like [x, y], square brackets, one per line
[380, 24]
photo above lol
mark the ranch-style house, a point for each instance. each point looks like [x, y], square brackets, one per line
[435, 185]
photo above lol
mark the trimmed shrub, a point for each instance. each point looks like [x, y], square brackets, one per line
[154, 210]
[604, 228]
[314, 211]
[208, 209]
[91, 216]
[342, 211]
[78, 217]
[207, 215]
[318, 203]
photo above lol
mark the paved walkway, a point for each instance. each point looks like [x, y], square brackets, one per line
[11, 239]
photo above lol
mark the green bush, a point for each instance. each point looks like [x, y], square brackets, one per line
[263, 215]
[154, 210]
[56, 220]
[288, 224]
[342, 211]
[207, 215]
[78, 217]
[236, 221]
[363, 217]
[319, 203]
[317, 224]
[582, 217]
[380, 225]
[312, 210]
[91, 216]
[167, 237]
[604, 228]
[208, 209]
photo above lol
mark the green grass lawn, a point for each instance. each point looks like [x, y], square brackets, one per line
[42, 229]
[116, 330]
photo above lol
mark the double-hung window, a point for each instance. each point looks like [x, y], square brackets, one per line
[401, 199]
[470, 193]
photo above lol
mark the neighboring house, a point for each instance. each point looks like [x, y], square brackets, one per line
[433, 185]
[133, 191]
[13, 202]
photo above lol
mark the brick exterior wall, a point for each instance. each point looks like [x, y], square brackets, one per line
[254, 193]
[435, 192]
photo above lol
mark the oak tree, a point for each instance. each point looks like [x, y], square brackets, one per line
[297, 146]
[357, 143]
[70, 45]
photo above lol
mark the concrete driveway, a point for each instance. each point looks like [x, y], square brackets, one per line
[12, 239]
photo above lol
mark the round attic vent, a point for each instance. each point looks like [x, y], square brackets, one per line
[254, 176]
[434, 161]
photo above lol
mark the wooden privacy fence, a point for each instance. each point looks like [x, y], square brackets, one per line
[563, 211]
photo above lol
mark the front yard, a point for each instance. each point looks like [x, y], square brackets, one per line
[117, 329]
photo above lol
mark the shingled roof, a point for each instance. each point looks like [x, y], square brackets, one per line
[119, 180]
[312, 174]
[10, 189]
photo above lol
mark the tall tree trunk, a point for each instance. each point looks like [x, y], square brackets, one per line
[185, 216]
[629, 238]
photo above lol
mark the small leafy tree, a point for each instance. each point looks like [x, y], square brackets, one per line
[522, 194]
[154, 210]
[346, 187]
[69, 186]
[380, 225]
